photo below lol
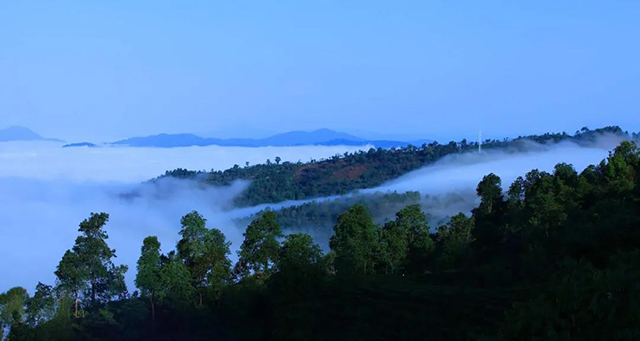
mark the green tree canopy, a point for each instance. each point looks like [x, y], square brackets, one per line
[148, 278]
[456, 238]
[88, 266]
[260, 248]
[12, 307]
[41, 307]
[205, 253]
[355, 242]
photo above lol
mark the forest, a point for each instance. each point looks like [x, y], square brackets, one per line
[277, 181]
[319, 216]
[551, 256]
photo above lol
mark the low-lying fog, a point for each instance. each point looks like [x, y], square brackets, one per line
[462, 172]
[48, 160]
[45, 191]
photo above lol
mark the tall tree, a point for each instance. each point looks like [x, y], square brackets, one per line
[217, 251]
[148, 278]
[40, 307]
[72, 276]
[456, 238]
[260, 247]
[89, 266]
[355, 242]
[394, 247]
[91, 246]
[175, 281]
[205, 253]
[489, 216]
[419, 243]
[191, 249]
[405, 244]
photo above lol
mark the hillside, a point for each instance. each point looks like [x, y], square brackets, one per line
[275, 182]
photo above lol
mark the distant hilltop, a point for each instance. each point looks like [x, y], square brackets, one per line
[323, 137]
[22, 134]
[80, 144]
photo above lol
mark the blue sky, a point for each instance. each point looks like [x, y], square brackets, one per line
[102, 70]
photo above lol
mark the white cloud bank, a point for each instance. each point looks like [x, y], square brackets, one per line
[48, 160]
[463, 172]
[46, 191]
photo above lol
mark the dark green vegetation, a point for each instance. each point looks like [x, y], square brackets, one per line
[277, 181]
[554, 257]
[319, 217]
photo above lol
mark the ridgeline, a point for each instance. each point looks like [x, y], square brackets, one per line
[276, 181]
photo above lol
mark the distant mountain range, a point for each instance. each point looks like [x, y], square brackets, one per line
[320, 137]
[21, 134]
[323, 137]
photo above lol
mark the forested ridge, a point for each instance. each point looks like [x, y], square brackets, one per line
[552, 256]
[276, 181]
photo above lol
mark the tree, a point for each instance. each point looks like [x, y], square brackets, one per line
[394, 247]
[298, 280]
[217, 251]
[88, 265]
[191, 249]
[490, 194]
[419, 244]
[148, 278]
[354, 242]
[489, 216]
[12, 307]
[298, 251]
[176, 281]
[456, 237]
[278, 159]
[72, 276]
[405, 243]
[105, 280]
[260, 247]
[40, 307]
[205, 253]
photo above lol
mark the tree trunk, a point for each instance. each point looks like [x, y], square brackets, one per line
[76, 310]
[153, 309]
[93, 290]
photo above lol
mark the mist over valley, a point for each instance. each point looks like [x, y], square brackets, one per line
[48, 190]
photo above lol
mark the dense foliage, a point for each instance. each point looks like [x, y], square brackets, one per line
[554, 257]
[278, 181]
[318, 217]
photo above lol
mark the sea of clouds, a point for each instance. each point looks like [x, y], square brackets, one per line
[46, 190]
